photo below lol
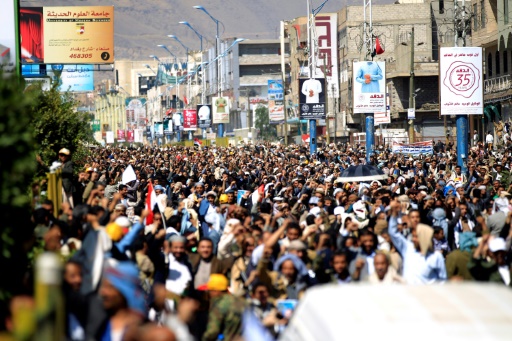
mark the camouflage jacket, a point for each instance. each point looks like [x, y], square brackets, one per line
[225, 318]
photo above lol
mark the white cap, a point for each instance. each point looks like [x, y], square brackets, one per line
[497, 244]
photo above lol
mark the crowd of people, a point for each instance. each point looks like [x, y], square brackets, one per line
[205, 238]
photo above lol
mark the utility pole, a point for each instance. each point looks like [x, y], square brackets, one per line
[462, 120]
[412, 103]
[335, 111]
[283, 77]
[368, 45]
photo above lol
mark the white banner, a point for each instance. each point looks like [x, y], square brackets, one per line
[326, 25]
[413, 148]
[110, 137]
[369, 87]
[139, 135]
[461, 81]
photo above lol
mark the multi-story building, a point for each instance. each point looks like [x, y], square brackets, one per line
[393, 25]
[492, 29]
[245, 72]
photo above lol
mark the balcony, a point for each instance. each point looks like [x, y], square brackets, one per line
[497, 84]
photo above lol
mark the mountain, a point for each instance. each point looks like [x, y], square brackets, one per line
[141, 25]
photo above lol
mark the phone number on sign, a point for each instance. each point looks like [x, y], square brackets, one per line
[80, 55]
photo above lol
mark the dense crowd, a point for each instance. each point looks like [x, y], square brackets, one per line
[243, 232]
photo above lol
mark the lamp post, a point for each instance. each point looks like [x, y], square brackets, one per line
[176, 84]
[412, 92]
[217, 53]
[154, 57]
[188, 77]
[186, 23]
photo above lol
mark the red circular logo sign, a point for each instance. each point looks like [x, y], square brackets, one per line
[462, 79]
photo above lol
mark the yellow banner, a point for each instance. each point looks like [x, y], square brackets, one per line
[78, 34]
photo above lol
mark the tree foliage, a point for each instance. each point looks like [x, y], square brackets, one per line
[57, 124]
[267, 132]
[17, 167]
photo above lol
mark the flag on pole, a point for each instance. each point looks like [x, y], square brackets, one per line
[128, 175]
[185, 99]
[197, 142]
[150, 204]
[377, 48]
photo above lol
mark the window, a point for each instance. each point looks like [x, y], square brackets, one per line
[475, 17]
[482, 14]
[489, 66]
[505, 62]
[497, 63]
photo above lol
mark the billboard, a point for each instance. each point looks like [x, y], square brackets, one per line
[167, 127]
[110, 137]
[130, 137]
[189, 119]
[326, 27]
[72, 77]
[385, 116]
[369, 87]
[159, 129]
[204, 113]
[461, 81]
[121, 137]
[312, 98]
[275, 102]
[135, 112]
[8, 50]
[220, 110]
[139, 135]
[67, 35]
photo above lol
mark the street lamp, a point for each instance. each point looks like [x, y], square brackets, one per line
[217, 45]
[154, 57]
[186, 23]
[186, 51]
[149, 67]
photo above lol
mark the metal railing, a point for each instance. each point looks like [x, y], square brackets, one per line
[497, 84]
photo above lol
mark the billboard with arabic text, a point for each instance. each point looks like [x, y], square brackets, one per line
[67, 35]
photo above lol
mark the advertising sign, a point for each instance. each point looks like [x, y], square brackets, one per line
[413, 148]
[189, 119]
[312, 98]
[44, 82]
[67, 35]
[204, 116]
[382, 117]
[148, 132]
[326, 26]
[130, 137]
[369, 87]
[411, 114]
[220, 110]
[110, 137]
[275, 101]
[167, 127]
[72, 77]
[177, 120]
[8, 50]
[139, 135]
[159, 129]
[461, 81]
[135, 112]
[121, 135]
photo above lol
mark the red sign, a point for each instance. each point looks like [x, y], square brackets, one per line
[190, 119]
[121, 136]
[130, 136]
[305, 138]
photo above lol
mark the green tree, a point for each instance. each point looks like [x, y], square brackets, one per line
[17, 167]
[57, 124]
[267, 132]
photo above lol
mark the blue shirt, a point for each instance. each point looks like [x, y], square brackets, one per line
[418, 269]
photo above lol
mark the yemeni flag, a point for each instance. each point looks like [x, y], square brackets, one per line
[197, 142]
[378, 48]
[150, 203]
